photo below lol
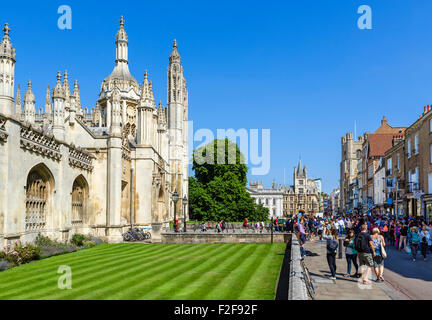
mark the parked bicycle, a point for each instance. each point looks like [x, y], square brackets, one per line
[136, 234]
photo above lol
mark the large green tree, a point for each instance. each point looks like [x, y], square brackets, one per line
[218, 190]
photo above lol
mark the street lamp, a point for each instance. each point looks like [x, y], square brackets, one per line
[185, 201]
[175, 198]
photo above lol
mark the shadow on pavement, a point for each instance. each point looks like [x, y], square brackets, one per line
[401, 263]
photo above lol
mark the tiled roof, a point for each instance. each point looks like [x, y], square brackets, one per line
[379, 144]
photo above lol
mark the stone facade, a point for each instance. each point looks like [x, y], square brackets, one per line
[418, 166]
[303, 195]
[269, 198]
[70, 170]
[350, 157]
[394, 160]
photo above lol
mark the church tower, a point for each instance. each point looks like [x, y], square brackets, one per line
[177, 104]
[300, 178]
[7, 75]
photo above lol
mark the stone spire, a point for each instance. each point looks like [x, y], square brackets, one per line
[66, 89]
[76, 94]
[7, 75]
[121, 76]
[29, 104]
[161, 115]
[152, 93]
[18, 103]
[122, 43]
[58, 109]
[58, 91]
[6, 48]
[48, 101]
[146, 93]
[175, 56]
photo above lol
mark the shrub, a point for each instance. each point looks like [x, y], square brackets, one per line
[20, 254]
[89, 244]
[78, 239]
[27, 252]
[44, 240]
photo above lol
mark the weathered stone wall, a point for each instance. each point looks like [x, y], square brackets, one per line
[190, 238]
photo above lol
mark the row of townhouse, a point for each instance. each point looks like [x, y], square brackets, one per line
[389, 171]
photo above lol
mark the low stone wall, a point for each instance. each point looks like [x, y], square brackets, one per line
[190, 238]
[297, 285]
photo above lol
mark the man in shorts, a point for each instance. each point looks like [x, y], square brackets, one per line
[366, 252]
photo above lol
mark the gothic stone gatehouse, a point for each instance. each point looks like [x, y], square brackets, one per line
[67, 169]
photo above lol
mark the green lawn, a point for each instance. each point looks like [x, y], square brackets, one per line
[152, 271]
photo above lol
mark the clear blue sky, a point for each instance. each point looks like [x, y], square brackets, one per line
[300, 68]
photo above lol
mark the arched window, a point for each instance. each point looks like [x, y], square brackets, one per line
[79, 196]
[38, 190]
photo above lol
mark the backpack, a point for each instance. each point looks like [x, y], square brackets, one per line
[332, 246]
[359, 243]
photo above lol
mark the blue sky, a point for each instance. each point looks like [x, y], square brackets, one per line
[300, 68]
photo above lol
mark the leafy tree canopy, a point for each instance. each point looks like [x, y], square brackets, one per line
[218, 190]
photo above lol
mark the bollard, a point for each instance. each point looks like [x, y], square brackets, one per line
[340, 246]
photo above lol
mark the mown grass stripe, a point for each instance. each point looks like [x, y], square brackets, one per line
[211, 281]
[170, 265]
[48, 262]
[134, 271]
[242, 276]
[85, 272]
[267, 272]
[40, 270]
[166, 288]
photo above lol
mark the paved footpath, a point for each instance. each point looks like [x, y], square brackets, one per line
[344, 288]
[413, 279]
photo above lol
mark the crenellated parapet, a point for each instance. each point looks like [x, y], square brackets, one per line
[35, 140]
[80, 158]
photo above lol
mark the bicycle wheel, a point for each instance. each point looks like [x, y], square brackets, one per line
[127, 236]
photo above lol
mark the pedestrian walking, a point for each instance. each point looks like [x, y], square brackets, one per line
[350, 253]
[332, 245]
[403, 235]
[378, 258]
[385, 232]
[365, 251]
[302, 235]
[425, 241]
[414, 240]
[320, 229]
[245, 224]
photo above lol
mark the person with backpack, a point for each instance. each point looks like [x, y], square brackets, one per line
[365, 251]
[332, 245]
[350, 253]
[414, 240]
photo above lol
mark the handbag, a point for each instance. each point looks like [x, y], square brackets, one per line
[383, 252]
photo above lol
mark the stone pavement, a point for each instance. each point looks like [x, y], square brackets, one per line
[343, 288]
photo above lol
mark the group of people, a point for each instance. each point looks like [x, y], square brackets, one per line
[364, 239]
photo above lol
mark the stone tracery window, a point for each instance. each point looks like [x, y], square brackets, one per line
[37, 196]
[79, 195]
